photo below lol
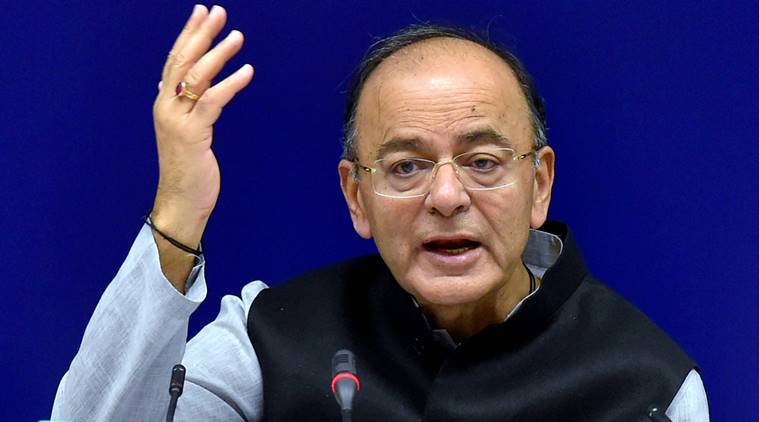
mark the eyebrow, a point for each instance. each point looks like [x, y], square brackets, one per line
[399, 144]
[483, 135]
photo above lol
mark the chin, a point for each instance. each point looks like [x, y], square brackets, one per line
[448, 291]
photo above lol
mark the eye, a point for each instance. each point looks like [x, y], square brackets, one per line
[482, 162]
[405, 167]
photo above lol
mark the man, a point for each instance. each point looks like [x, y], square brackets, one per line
[470, 314]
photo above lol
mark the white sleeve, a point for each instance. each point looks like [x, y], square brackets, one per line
[223, 368]
[689, 404]
[139, 331]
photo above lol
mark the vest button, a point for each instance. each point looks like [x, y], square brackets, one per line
[418, 346]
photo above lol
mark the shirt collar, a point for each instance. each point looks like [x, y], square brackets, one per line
[542, 251]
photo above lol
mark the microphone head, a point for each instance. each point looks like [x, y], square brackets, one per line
[177, 379]
[343, 361]
[345, 383]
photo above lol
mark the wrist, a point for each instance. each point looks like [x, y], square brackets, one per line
[181, 223]
[177, 235]
[179, 245]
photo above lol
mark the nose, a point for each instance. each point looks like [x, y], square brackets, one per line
[447, 195]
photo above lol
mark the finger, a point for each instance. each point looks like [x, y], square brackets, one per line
[198, 15]
[197, 44]
[209, 106]
[201, 74]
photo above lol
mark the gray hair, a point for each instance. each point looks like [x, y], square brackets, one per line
[413, 34]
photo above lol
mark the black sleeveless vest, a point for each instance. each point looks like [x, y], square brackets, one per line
[574, 351]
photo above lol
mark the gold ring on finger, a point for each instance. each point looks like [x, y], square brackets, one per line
[184, 91]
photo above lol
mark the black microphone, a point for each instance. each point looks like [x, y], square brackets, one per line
[175, 389]
[655, 414]
[345, 382]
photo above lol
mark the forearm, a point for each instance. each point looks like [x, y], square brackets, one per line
[136, 334]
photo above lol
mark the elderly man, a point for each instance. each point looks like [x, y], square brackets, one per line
[469, 313]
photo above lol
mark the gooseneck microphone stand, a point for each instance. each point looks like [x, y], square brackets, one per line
[175, 389]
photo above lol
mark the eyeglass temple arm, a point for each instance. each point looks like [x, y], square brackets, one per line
[365, 168]
[526, 154]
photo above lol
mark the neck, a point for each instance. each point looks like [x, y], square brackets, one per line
[462, 321]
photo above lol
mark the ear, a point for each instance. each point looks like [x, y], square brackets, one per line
[350, 187]
[543, 184]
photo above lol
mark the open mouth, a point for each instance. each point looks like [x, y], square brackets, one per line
[451, 247]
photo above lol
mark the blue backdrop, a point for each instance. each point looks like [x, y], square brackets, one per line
[651, 108]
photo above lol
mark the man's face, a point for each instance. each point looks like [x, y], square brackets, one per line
[434, 100]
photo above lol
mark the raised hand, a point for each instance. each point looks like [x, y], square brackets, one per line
[184, 113]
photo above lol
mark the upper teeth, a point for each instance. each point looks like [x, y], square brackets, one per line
[457, 250]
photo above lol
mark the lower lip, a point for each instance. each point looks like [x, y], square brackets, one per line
[463, 259]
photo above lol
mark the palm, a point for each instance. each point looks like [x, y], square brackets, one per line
[184, 115]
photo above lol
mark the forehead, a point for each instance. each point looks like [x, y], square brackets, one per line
[439, 90]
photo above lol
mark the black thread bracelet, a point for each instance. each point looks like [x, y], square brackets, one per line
[197, 252]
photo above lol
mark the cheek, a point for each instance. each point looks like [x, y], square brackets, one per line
[391, 222]
[508, 219]
[392, 227]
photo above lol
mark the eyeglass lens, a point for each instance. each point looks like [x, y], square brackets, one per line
[400, 176]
